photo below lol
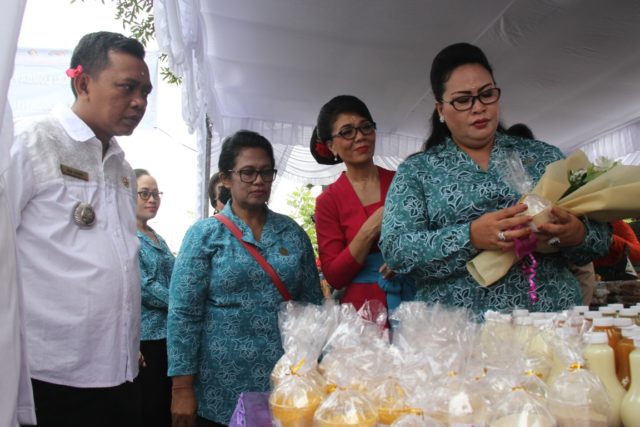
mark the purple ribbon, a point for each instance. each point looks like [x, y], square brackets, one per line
[524, 247]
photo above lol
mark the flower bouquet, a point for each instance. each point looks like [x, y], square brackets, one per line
[604, 192]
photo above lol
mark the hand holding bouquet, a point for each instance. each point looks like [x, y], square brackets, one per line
[604, 191]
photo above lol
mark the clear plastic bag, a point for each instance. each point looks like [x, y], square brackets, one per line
[517, 408]
[297, 386]
[519, 180]
[578, 399]
[294, 401]
[346, 408]
[411, 420]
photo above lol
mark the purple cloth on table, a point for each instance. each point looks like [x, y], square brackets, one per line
[252, 410]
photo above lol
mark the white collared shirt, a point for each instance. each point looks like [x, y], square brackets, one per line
[81, 285]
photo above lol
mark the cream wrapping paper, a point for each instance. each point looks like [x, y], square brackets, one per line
[613, 195]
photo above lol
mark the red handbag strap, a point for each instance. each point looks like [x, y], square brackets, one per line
[257, 255]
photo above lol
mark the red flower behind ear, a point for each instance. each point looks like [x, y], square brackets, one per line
[322, 149]
[75, 72]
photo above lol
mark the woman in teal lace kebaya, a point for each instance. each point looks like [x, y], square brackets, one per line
[449, 202]
[156, 265]
[223, 335]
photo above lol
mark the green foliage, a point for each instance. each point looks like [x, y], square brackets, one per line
[303, 201]
[137, 17]
[580, 177]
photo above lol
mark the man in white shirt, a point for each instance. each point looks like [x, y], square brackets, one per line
[72, 196]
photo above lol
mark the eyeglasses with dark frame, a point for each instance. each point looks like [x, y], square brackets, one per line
[350, 132]
[466, 102]
[145, 194]
[250, 175]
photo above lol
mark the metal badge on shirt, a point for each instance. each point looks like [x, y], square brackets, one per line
[84, 215]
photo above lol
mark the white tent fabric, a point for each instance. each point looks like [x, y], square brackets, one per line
[16, 401]
[568, 68]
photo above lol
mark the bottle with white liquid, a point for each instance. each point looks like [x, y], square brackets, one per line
[601, 362]
[630, 407]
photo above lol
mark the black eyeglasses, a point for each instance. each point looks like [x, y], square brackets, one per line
[350, 132]
[145, 194]
[465, 102]
[250, 175]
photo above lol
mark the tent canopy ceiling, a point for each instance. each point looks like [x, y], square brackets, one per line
[570, 69]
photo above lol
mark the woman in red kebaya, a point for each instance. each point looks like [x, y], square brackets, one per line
[349, 212]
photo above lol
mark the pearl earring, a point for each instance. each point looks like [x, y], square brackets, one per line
[441, 119]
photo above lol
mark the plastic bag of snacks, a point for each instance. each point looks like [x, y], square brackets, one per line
[457, 402]
[294, 401]
[346, 408]
[411, 420]
[304, 329]
[519, 409]
[392, 401]
[297, 386]
[577, 398]
[355, 349]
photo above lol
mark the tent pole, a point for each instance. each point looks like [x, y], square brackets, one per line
[206, 168]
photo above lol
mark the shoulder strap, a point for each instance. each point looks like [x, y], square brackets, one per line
[257, 255]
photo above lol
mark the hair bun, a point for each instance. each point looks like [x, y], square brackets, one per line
[320, 151]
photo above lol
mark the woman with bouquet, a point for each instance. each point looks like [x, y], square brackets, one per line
[450, 202]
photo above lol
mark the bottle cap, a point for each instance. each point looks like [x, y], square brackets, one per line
[592, 314]
[621, 322]
[596, 338]
[603, 321]
[518, 312]
[580, 309]
[540, 323]
[629, 312]
[523, 321]
[608, 310]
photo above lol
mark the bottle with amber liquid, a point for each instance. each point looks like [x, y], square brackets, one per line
[605, 324]
[623, 349]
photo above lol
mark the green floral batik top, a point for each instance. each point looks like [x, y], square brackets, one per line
[434, 197]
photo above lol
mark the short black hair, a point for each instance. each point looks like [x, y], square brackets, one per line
[141, 172]
[326, 119]
[211, 189]
[92, 51]
[232, 145]
[521, 130]
[225, 195]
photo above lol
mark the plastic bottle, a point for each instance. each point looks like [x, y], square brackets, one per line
[580, 309]
[600, 361]
[630, 406]
[616, 306]
[519, 312]
[605, 324]
[524, 331]
[632, 313]
[589, 316]
[623, 349]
